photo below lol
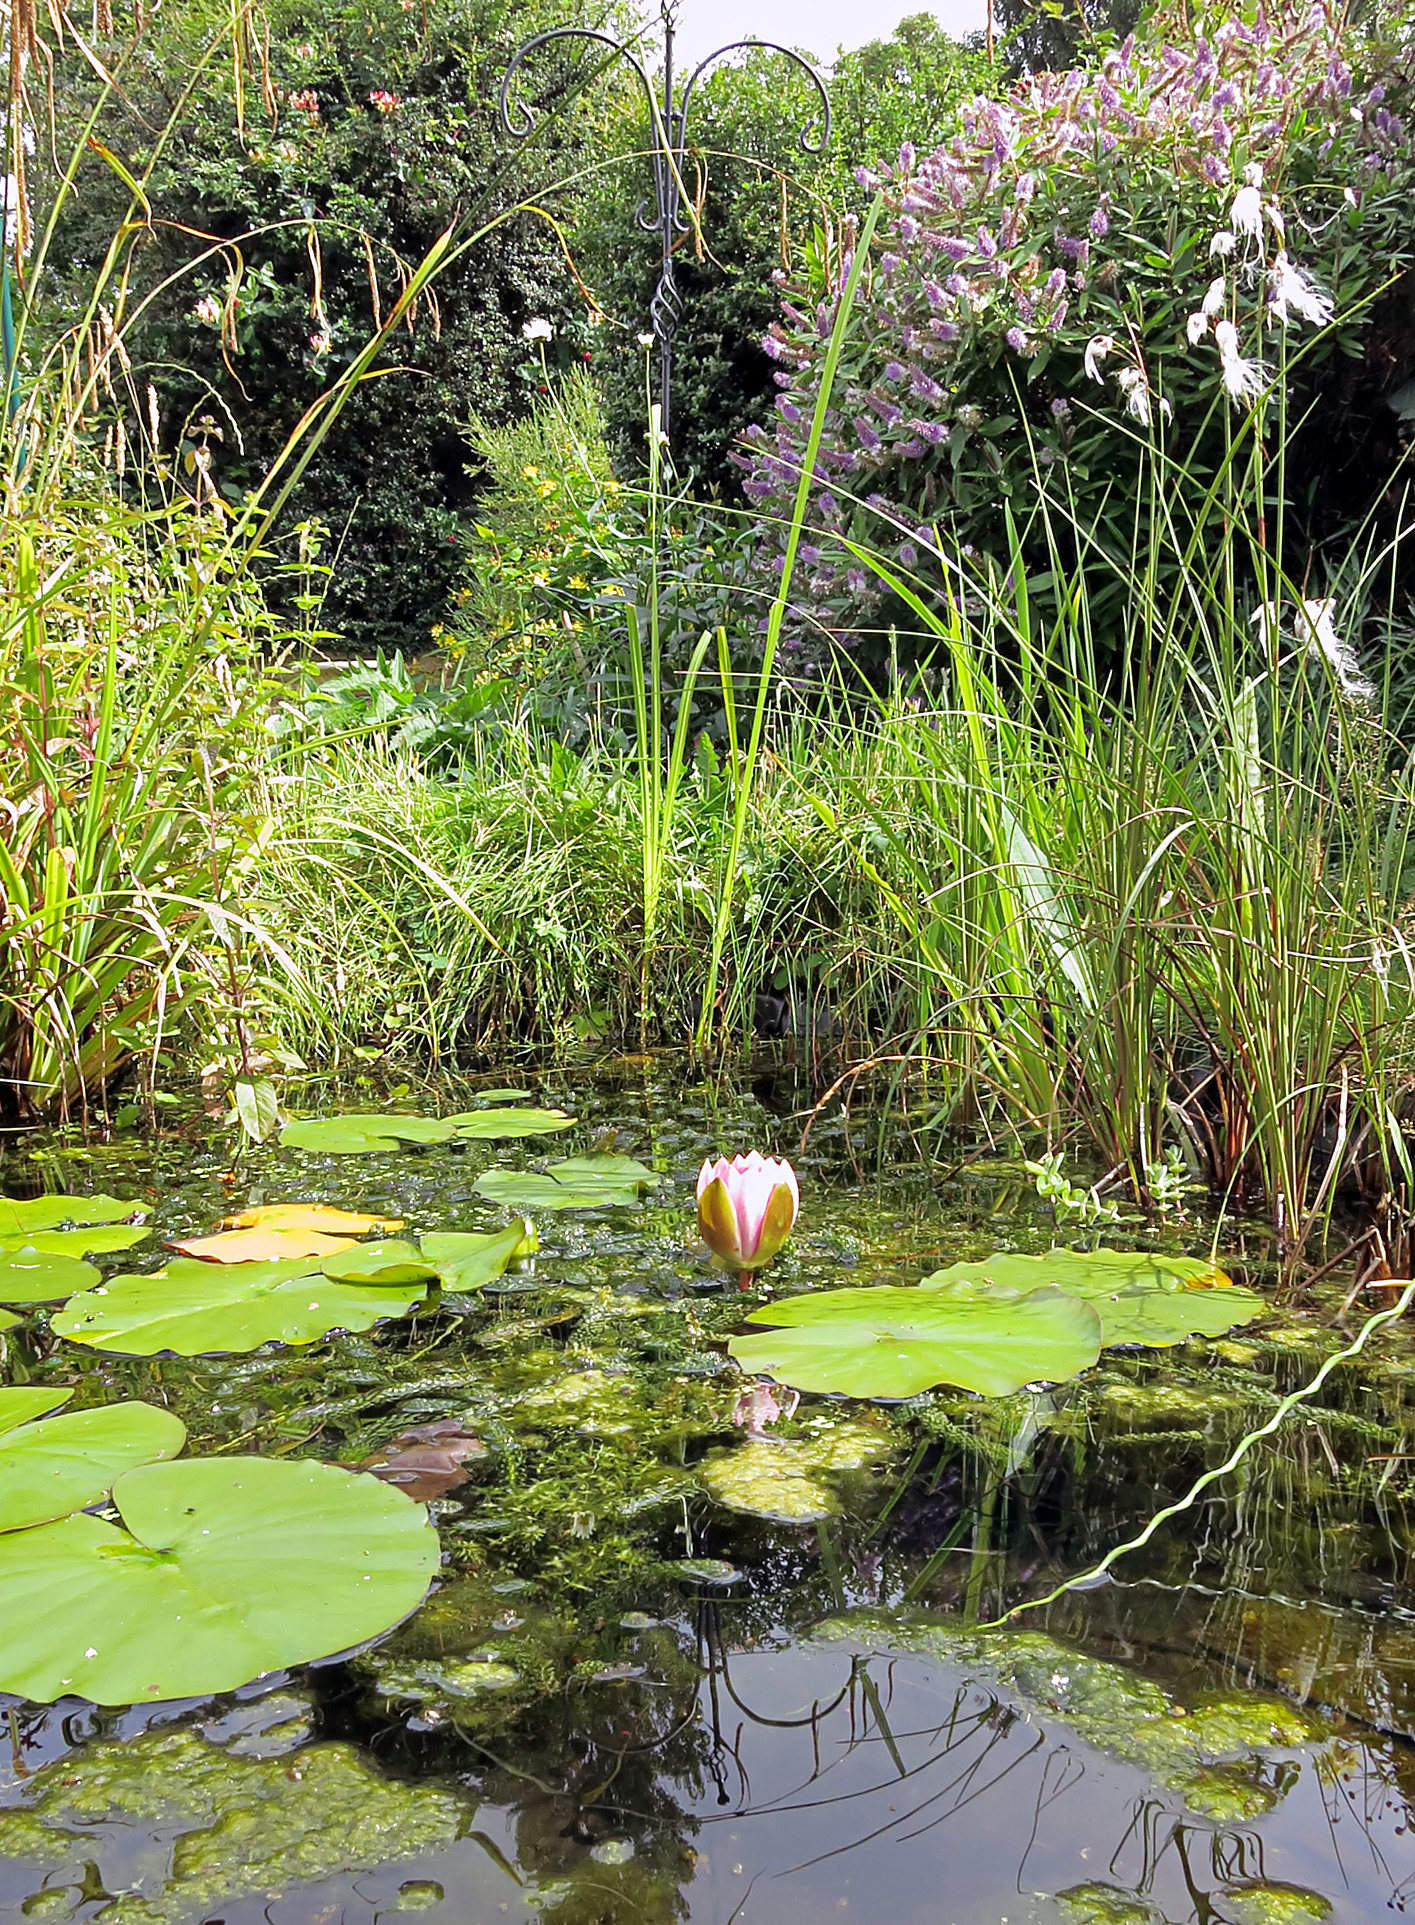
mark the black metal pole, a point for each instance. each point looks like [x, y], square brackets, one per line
[669, 219]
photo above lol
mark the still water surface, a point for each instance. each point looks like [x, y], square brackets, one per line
[576, 1730]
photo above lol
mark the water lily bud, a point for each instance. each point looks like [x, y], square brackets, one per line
[746, 1208]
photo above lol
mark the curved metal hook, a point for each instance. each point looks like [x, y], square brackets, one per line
[806, 144]
[525, 121]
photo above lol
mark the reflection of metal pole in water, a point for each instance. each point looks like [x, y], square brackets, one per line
[669, 217]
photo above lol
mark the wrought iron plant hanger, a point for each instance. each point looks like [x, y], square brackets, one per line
[668, 217]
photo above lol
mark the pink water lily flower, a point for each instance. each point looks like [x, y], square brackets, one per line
[746, 1209]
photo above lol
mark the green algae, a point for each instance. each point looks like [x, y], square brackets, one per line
[217, 1827]
[1214, 1753]
[1099, 1904]
[789, 1481]
[1269, 1904]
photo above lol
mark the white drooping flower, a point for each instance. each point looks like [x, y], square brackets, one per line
[1316, 622]
[1243, 379]
[1135, 388]
[1214, 297]
[1289, 288]
[1245, 216]
[1196, 327]
[538, 329]
[1222, 243]
[1097, 348]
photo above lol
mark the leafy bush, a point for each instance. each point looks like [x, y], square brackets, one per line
[1143, 248]
[288, 193]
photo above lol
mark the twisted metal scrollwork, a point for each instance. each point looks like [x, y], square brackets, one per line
[668, 217]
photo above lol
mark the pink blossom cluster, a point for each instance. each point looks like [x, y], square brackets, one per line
[1007, 251]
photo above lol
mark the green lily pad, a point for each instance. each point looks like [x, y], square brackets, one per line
[9, 1321]
[577, 1183]
[22, 1404]
[192, 1307]
[357, 1134]
[388, 1262]
[228, 1568]
[51, 1468]
[20, 1215]
[467, 1261]
[102, 1240]
[1141, 1297]
[485, 1126]
[705, 1570]
[893, 1342]
[28, 1276]
[503, 1095]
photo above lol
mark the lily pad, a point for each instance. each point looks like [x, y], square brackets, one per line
[893, 1342]
[228, 1568]
[577, 1183]
[381, 1263]
[312, 1216]
[1141, 1297]
[705, 1570]
[262, 1246]
[9, 1321]
[466, 1261]
[23, 1403]
[485, 1126]
[357, 1134]
[503, 1095]
[103, 1239]
[50, 1468]
[29, 1276]
[18, 1215]
[193, 1308]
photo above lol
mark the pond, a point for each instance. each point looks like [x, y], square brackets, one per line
[670, 1670]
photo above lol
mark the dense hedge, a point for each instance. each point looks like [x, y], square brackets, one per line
[334, 154]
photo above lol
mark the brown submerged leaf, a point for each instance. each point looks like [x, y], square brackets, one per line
[427, 1461]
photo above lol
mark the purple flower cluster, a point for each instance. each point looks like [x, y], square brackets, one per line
[1003, 253]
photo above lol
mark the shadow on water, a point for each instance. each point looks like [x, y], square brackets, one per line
[586, 1724]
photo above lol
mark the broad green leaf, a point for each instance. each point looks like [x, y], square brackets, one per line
[104, 1239]
[228, 1568]
[1141, 1297]
[486, 1126]
[8, 1320]
[49, 1469]
[356, 1134]
[257, 1106]
[193, 1308]
[503, 1095]
[22, 1404]
[30, 1276]
[465, 1261]
[17, 1216]
[893, 1342]
[578, 1183]
[381, 1263]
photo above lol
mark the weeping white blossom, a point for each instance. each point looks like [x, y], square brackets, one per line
[1290, 289]
[1097, 348]
[1245, 216]
[1214, 297]
[1243, 379]
[1196, 327]
[1223, 243]
[1340, 657]
[1135, 389]
[537, 329]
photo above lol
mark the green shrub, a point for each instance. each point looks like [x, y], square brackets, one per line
[289, 197]
[1148, 248]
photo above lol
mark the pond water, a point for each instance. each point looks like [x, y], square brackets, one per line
[633, 1697]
